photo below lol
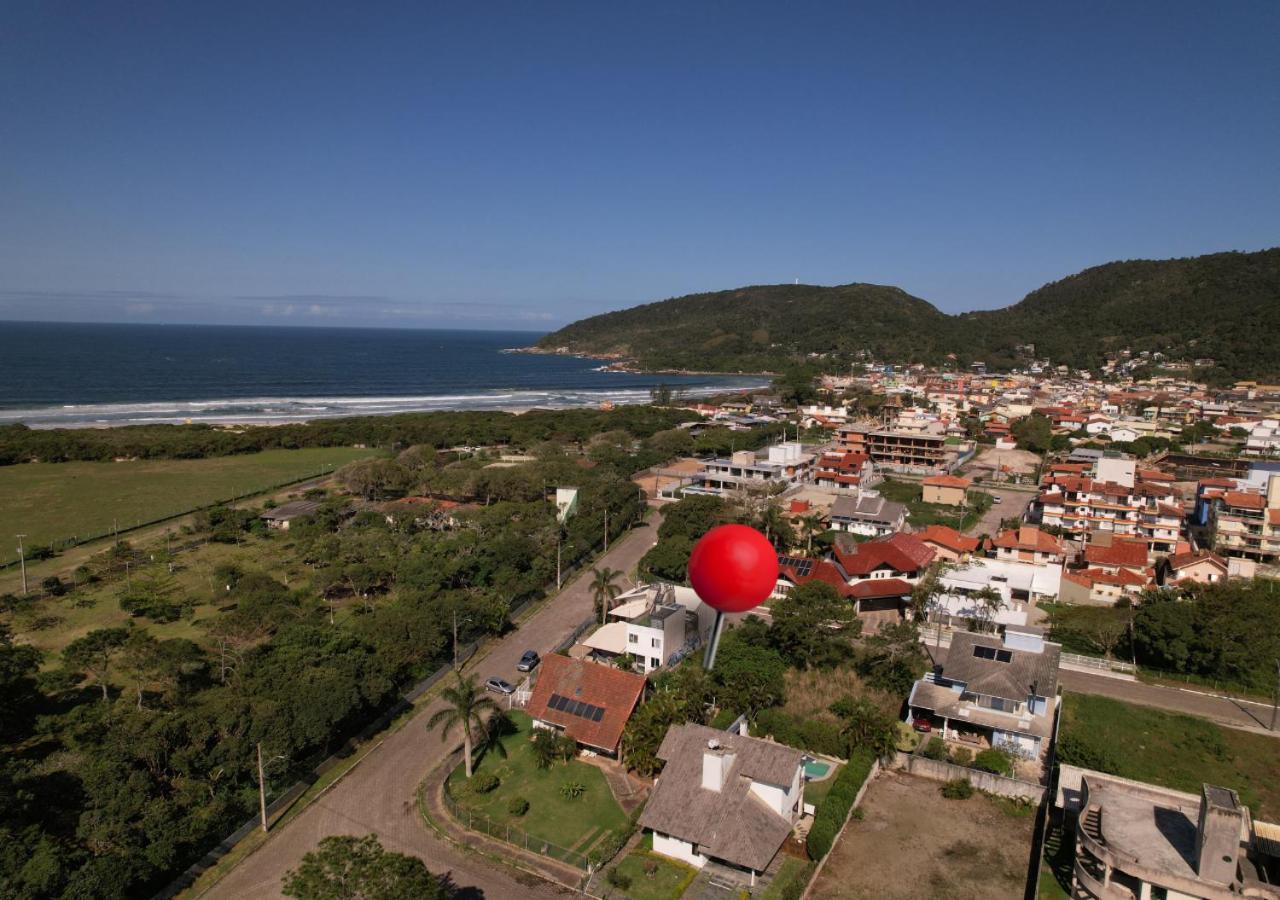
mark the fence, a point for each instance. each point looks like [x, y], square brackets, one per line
[59, 545]
[938, 770]
[513, 834]
[1097, 662]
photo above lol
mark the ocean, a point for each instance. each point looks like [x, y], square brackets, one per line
[93, 375]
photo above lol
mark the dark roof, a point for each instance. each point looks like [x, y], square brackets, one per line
[731, 824]
[591, 702]
[291, 510]
[866, 507]
[1011, 680]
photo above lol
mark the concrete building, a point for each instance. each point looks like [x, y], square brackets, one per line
[777, 467]
[655, 625]
[1142, 842]
[947, 490]
[1247, 523]
[867, 513]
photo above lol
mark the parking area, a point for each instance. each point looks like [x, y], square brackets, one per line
[912, 843]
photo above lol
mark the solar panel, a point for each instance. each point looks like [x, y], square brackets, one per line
[597, 714]
[558, 702]
[576, 707]
[801, 565]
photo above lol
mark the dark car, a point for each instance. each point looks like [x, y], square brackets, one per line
[499, 686]
[529, 661]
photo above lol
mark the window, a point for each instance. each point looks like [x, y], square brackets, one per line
[633, 639]
[654, 662]
[1003, 656]
[655, 642]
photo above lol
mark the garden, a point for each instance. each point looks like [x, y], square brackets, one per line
[564, 804]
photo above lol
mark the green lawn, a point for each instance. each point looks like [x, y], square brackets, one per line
[1176, 751]
[576, 825]
[654, 877]
[58, 501]
[790, 881]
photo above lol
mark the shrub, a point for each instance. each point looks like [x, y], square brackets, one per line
[572, 790]
[957, 789]
[814, 735]
[834, 808]
[618, 879]
[1080, 751]
[934, 749]
[517, 806]
[484, 782]
[962, 757]
[54, 586]
[996, 761]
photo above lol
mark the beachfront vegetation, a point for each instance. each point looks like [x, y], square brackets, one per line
[135, 699]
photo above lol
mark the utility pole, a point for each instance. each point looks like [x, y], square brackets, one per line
[558, 536]
[262, 789]
[606, 528]
[22, 560]
[1275, 698]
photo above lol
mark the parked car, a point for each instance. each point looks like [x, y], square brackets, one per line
[996, 498]
[922, 724]
[499, 686]
[529, 661]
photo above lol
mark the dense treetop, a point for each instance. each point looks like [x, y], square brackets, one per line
[1225, 306]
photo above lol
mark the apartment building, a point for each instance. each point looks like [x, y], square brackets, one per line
[911, 452]
[1114, 500]
[1248, 523]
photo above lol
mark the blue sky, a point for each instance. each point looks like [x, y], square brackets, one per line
[521, 165]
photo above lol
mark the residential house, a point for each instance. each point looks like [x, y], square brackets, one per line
[1029, 544]
[844, 470]
[993, 691]
[777, 467]
[947, 490]
[867, 513]
[947, 543]
[1199, 567]
[281, 516]
[1142, 841]
[1017, 584]
[588, 701]
[654, 625]
[724, 798]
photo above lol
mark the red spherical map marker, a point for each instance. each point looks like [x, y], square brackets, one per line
[733, 568]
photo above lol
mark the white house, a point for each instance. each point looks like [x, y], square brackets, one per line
[724, 797]
[655, 624]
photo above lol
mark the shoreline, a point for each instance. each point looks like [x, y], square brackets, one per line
[621, 363]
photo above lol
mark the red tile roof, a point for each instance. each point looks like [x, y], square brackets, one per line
[1132, 554]
[901, 551]
[1028, 537]
[1244, 501]
[799, 506]
[951, 481]
[1183, 560]
[877, 588]
[1273, 517]
[615, 691]
[822, 570]
[1122, 578]
[949, 538]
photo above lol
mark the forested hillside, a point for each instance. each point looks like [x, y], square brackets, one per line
[1225, 307]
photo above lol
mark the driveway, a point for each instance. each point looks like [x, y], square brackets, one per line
[378, 796]
[1012, 504]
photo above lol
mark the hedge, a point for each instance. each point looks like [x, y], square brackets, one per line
[834, 809]
[814, 735]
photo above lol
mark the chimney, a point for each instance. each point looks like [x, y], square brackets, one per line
[1218, 834]
[716, 762]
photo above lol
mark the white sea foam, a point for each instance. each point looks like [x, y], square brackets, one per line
[258, 410]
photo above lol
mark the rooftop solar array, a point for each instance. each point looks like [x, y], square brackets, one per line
[1003, 656]
[801, 565]
[576, 707]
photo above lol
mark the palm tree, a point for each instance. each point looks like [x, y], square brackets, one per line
[812, 526]
[989, 602]
[467, 704]
[603, 589]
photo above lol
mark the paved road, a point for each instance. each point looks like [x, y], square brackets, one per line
[1012, 504]
[378, 795]
[1246, 714]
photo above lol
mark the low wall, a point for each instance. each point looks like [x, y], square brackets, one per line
[989, 782]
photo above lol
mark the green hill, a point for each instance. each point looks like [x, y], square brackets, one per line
[1225, 306]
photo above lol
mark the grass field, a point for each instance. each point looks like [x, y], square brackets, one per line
[653, 877]
[576, 825]
[59, 501]
[921, 514]
[1175, 751]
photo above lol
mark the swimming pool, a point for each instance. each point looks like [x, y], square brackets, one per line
[816, 770]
